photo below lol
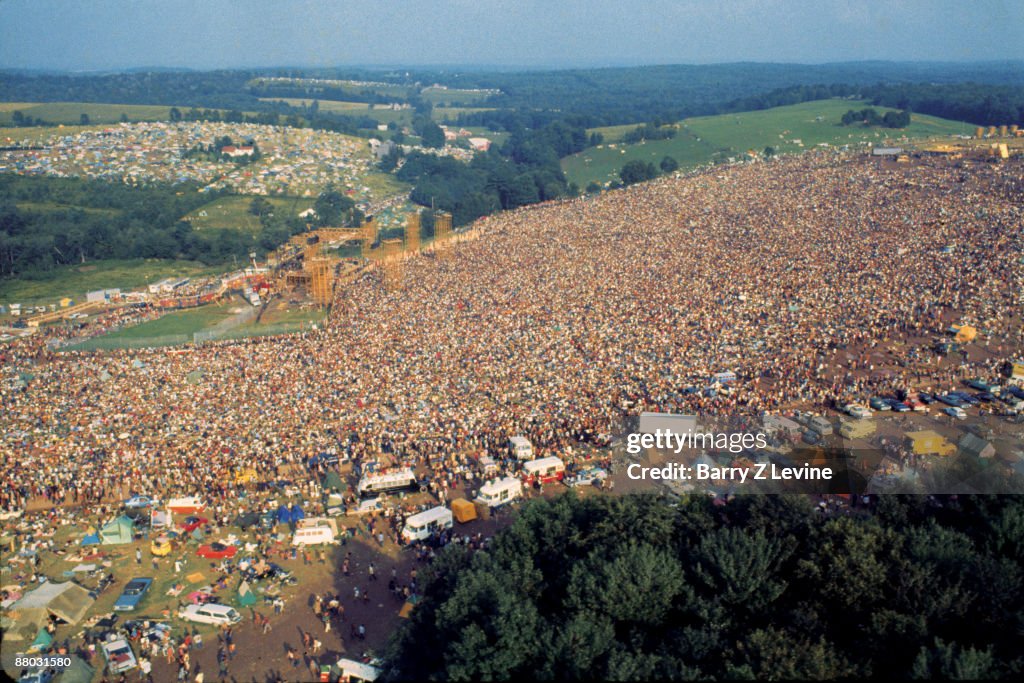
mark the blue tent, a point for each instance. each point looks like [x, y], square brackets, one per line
[297, 513]
[91, 539]
[284, 515]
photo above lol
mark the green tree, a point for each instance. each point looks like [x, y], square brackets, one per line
[637, 171]
[669, 165]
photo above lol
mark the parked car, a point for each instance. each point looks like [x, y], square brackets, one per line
[978, 384]
[951, 400]
[588, 477]
[927, 399]
[132, 594]
[191, 523]
[1017, 392]
[898, 406]
[969, 399]
[210, 614]
[119, 656]
[958, 413]
[879, 403]
[858, 411]
[217, 551]
[985, 396]
[136, 502]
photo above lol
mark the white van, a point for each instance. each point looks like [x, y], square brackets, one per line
[423, 525]
[210, 614]
[314, 531]
[521, 448]
[373, 485]
[499, 492]
[546, 470]
[488, 465]
[820, 425]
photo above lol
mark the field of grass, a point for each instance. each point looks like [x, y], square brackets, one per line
[48, 207]
[75, 281]
[232, 213]
[184, 322]
[28, 136]
[453, 96]
[707, 139]
[71, 112]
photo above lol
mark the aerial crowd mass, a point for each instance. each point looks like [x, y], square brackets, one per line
[554, 323]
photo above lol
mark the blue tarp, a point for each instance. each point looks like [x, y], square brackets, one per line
[297, 513]
[91, 539]
[284, 515]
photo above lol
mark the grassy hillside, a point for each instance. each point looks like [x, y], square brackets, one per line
[75, 281]
[71, 112]
[232, 213]
[707, 139]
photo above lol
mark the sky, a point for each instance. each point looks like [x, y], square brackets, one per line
[89, 35]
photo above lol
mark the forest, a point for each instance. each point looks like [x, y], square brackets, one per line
[768, 587]
[50, 222]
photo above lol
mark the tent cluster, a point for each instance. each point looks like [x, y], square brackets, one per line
[286, 515]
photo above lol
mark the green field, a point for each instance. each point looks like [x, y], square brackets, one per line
[185, 322]
[50, 207]
[232, 213]
[708, 139]
[75, 281]
[453, 96]
[71, 112]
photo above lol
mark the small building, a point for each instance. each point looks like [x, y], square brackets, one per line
[66, 301]
[928, 442]
[480, 144]
[892, 152]
[976, 446]
[103, 295]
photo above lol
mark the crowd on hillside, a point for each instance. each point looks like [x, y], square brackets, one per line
[554, 323]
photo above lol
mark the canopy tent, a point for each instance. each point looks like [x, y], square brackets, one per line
[463, 510]
[67, 601]
[332, 480]
[23, 624]
[118, 531]
[964, 333]
[246, 596]
[78, 671]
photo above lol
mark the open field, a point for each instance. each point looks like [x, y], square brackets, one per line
[71, 112]
[453, 96]
[185, 322]
[49, 207]
[75, 281]
[707, 139]
[232, 213]
[35, 135]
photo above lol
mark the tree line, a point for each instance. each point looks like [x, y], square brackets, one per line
[767, 587]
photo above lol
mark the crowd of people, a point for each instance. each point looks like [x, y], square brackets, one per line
[554, 323]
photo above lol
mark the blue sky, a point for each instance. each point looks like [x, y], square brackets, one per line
[203, 34]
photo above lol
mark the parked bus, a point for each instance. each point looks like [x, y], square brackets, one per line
[372, 485]
[498, 492]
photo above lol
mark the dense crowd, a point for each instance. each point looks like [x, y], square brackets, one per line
[554, 323]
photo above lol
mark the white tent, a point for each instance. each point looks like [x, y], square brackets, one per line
[67, 601]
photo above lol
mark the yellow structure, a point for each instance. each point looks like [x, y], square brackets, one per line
[161, 546]
[979, 132]
[442, 229]
[927, 442]
[392, 260]
[965, 334]
[412, 232]
[322, 281]
[463, 510]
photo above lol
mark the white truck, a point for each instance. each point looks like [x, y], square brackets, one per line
[521, 448]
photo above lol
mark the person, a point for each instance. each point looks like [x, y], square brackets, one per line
[138, 556]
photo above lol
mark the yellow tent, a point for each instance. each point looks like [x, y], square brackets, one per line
[966, 334]
[463, 510]
[927, 441]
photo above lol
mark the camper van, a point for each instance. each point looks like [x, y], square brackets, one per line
[521, 448]
[314, 531]
[488, 466]
[188, 505]
[545, 470]
[499, 492]
[372, 485]
[425, 524]
[210, 614]
[821, 425]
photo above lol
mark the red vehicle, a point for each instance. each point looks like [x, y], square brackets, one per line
[190, 524]
[217, 551]
[546, 470]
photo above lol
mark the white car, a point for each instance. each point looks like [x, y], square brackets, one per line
[858, 411]
[958, 413]
[119, 655]
[210, 614]
[136, 502]
[589, 477]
